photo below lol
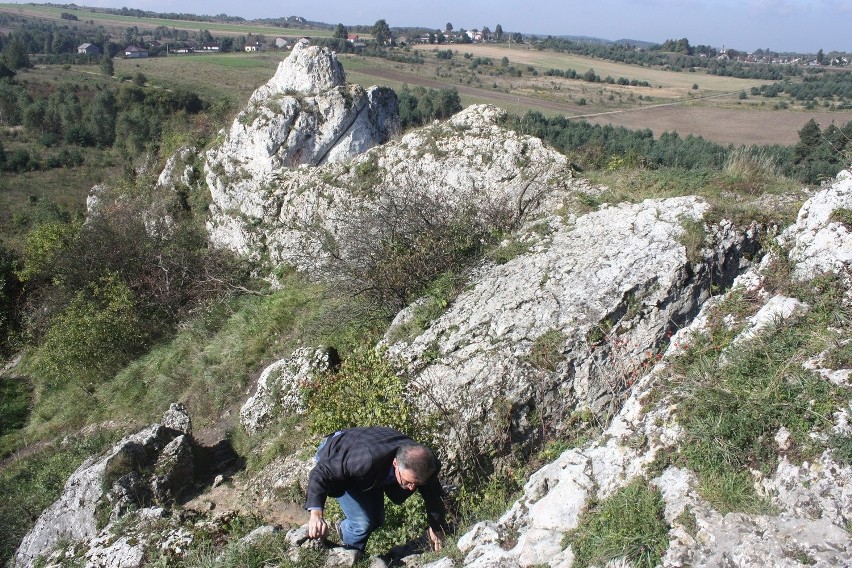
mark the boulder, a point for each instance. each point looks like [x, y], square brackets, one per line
[105, 487]
[277, 391]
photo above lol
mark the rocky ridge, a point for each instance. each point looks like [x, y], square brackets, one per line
[813, 499]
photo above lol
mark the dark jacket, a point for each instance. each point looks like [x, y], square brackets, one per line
[361, 458]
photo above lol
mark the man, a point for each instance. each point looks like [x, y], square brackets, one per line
[359, 467]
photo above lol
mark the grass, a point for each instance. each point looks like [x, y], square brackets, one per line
[207, 365]
[116, 23]
[229, 76]
[629, 523]
[731, 407]
[734, 194]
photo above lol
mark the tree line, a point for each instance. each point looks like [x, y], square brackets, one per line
[127, 117]
[819, 154]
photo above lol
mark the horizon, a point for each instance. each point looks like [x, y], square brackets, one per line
[785, 25]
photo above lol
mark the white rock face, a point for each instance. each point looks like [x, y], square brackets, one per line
[818, 243]
[305, 114]
[72, 517]
[307, 71]
[814, 500]
[466, 162]
[278, 386]
[608, 285]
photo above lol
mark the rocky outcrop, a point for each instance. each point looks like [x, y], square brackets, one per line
[306, 114]
[569, 324]
[278, 389]
[813, 499]
[296, 216]
[147, 468]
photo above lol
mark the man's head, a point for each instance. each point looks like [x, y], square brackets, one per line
[415, 464]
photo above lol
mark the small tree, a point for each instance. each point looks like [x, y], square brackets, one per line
[448, 27]
[381, 31]
[498, 31]
[107, 67]
[340, 32]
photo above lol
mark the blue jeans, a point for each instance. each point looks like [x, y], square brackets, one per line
[365, 512]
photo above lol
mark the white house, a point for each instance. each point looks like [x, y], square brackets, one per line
[134, 52]
[89, 49]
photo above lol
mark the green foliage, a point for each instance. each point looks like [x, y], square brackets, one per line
[486, 498]
[419, 105]
[106, 65]
[14, 406]
[10, 294]
[843, 216]
[403, 523]
[43, 245]
[692, 239]
[93, 337]
[270, 550]
[435, 300]
[367, 389]
[732, 407]
[508, 250]
[842, 446]
[629, 523]
[29, 484]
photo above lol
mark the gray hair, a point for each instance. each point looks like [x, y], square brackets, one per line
[418, 459]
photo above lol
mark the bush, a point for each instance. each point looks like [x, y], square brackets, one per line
[93, 337]
[367, 389]
[391, 251]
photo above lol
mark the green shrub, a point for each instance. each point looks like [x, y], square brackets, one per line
[98, 333]
[14, 405]
[367, 390]
[629, 523]
[546, 350]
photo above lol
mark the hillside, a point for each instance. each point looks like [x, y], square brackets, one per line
[610, 377]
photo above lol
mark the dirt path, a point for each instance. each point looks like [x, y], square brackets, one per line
[722, 125]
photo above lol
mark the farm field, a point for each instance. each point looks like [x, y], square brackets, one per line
[714, 110]
[115, 23]
[670, 104]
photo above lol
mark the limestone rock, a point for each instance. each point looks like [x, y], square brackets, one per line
[278, 386]
[599, 292]
[105, 487]
[177, 418]
[813, 499]
[173, 470]
[306, 114]
[818, 242]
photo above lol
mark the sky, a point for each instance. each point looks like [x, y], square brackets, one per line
[780, 25]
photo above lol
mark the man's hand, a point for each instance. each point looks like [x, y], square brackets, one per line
[317, 527]
[436, 539]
